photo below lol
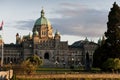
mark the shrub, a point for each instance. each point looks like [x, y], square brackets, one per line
[111, 64]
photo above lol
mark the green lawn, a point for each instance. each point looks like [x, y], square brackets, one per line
[64, 70]
[70, 79]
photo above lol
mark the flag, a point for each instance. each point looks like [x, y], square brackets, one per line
[1, 25]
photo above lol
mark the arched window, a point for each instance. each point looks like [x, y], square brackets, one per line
[8, 59]
[15, 60]
[46, 56]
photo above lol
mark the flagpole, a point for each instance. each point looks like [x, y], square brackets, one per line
[2, 50]
[2, 55]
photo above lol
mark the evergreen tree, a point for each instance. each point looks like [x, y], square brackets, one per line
[113, 29]
[111, 47]
[87, 66]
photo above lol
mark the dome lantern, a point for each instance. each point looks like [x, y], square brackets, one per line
[42, 13]
[42, 20]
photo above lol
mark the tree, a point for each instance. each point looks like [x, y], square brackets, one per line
[35, 60]
[28, 67]
[113, 30]
[109, 64]
[31, 64]
[111, 47]
[112, 64]
[116, 64]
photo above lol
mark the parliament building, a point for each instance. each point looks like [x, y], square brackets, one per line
[48, 46]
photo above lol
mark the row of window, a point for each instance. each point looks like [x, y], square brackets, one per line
[11, 51]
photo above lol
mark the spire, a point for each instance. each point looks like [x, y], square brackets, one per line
[17, 34]
[57, 32]
[103, 38]
[99, 41]
[86, 39]
[30, 36]
[42, 12]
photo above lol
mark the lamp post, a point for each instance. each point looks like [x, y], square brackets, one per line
[64, 64]
[56, 63]
[11, 64]
[72, 60]
[80, 65]
[72, 63]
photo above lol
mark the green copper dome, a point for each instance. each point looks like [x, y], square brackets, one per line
[42, 20]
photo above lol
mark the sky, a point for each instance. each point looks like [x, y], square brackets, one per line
[74, 19]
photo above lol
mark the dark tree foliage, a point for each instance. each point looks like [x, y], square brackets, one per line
[111, 64]
[111, 46]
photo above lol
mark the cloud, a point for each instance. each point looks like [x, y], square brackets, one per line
[80, 21]
[76, 19]
[25, 25]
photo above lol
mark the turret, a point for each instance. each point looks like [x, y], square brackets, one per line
[103, 40]
[99, 41]
[35, 36]
[86, 39]
[35, 33]
[30, 36]
[57, 36]
[18, 39]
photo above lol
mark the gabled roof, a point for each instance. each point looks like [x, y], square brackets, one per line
[81, 43]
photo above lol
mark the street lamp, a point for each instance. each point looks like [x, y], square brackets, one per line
[11, 64]
[64, 64]
[80, 64]
[72, 66]
[56, 63]
[73, 60]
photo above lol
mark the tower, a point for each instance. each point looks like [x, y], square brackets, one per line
[42, 35]
[57, 38]
[35, 37]
[18, 39]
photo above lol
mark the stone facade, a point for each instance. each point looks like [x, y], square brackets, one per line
[48, 47]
